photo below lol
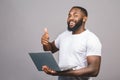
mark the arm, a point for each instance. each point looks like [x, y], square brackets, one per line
[50, 47]
[91, 70]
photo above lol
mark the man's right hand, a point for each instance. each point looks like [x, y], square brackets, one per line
[45, 37]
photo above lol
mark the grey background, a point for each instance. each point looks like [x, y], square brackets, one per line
[22, 23]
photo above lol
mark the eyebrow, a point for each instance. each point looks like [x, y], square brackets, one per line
[74, 13]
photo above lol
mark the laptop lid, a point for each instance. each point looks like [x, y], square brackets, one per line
[44, 58]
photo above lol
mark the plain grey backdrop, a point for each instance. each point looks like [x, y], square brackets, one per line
[22, 23]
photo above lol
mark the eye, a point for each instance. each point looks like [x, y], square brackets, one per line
[75, 15]
[69, 15]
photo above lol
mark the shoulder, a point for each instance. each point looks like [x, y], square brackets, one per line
[65, 33]
[93, 40]
[91, 36]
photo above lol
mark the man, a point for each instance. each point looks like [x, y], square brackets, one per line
[77, 46]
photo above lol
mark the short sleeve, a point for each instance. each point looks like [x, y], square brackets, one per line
[57, 41]
[93, 46]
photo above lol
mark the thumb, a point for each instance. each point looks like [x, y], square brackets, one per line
[46, 33]
[46, 30]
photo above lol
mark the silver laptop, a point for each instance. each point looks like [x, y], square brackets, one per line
[46, 58]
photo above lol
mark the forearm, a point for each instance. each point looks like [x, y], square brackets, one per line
[47, 47]
[50, 47]
[89, 72]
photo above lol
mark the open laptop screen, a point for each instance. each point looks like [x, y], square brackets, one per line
[44, 58]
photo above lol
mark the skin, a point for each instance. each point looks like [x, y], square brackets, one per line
[93, 67]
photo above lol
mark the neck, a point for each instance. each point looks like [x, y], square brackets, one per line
[79, 30]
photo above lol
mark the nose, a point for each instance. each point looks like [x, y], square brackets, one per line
[70, 18]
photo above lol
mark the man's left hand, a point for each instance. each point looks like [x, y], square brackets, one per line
[48, 70]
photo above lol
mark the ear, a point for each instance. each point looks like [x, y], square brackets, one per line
[84, 19]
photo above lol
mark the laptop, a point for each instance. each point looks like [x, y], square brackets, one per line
[46, 58]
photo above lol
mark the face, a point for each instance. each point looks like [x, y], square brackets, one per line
[75, 19]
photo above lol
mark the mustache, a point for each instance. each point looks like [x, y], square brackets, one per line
[71, 21]
[77, 25]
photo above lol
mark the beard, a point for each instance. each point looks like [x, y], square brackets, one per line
[77, 25]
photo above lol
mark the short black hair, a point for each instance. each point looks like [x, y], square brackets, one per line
[82, 9]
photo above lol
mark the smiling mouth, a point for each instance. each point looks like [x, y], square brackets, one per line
[71, 24]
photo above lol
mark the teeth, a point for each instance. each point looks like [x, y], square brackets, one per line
[72, 23]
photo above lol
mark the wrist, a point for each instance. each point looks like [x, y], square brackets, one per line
[47, 47]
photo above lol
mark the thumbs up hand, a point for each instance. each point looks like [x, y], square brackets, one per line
[45, 37]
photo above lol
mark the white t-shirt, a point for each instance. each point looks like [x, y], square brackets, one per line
[74, 48]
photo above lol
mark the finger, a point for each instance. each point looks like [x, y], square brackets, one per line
[50, 71]
[46, 33]
[44, 68]
[45, 38]
[47, 70]
[44, 41]
[45, 30]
